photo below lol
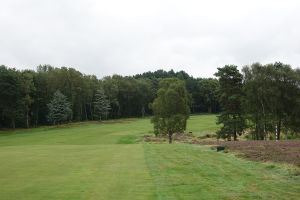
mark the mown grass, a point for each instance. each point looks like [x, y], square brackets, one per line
[109, 161]
[111, 132]
[201, 125]
[183, 171]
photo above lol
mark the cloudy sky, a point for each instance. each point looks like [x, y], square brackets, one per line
[133, 36]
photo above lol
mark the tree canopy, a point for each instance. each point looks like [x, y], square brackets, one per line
[272, 99]
[26, 93]
[170, 107]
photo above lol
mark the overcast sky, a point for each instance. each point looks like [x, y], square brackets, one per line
[133, 36]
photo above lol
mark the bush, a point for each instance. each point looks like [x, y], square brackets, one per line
[220, 148]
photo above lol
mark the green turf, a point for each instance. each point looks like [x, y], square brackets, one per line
[112, 132]
[108, 161]
[204, 124]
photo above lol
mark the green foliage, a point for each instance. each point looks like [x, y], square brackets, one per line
[206, 95]
[170, 108]
[16, 91]
[26, 93]
[231, 96]
[101, 105]
[272, 99]
[59, 108]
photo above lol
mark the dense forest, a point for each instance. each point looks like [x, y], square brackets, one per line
[25, 95]
[264, 98]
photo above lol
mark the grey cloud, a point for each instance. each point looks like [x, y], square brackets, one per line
[134, 36]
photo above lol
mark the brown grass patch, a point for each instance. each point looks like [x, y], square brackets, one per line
[284, 151]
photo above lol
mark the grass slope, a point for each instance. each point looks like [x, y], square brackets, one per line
[105, 161]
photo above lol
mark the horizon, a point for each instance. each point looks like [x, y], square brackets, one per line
[151, 71]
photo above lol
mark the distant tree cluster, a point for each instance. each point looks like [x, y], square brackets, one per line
[52, 95]
[263, 101]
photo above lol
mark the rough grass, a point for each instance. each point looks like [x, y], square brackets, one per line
[284, 151]
[108, 161]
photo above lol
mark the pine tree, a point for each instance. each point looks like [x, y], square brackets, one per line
[231, 95]
[101, 105]
[59, 108]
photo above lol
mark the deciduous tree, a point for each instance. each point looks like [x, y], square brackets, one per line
[170, 108]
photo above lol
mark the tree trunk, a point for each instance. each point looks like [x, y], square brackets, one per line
[37, 117]
[234, 136]
[143, 111]
[80, 113]
[92, 114]
[119, 111]
[256, 129]
[209, 109]
[265, 121]
[278, 129]
[265, 132]
[27, 119]
[234, 133]
[13, 123]
[85, 111]
[170, 138]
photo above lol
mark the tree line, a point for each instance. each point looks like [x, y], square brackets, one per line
[30, 98]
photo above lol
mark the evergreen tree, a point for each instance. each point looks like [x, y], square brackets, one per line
[231, 102]
[59, 108]
[101, 105]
